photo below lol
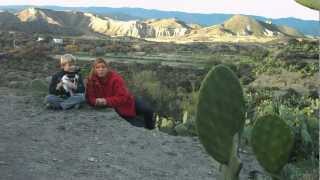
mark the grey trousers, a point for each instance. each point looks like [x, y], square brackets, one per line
[60, 103]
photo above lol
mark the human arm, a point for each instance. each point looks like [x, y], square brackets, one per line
[120, 96]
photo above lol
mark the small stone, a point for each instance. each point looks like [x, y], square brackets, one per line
[99, 143]
[92, 159]
[61, 128]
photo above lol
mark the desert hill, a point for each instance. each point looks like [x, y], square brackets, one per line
[78, 23]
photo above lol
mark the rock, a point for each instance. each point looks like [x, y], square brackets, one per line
[92, 159]
[99, 143]
[187, 129]
[167, 125]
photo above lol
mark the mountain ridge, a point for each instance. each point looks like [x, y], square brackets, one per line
[308, 27]
[79, 23]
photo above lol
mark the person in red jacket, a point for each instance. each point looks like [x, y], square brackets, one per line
[106, 88]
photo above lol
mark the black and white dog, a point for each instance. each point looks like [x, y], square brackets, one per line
[71, 79]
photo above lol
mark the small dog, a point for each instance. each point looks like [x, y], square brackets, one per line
[70, 79]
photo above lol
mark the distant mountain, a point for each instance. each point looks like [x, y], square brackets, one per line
[307, 27]
[9, 21]
[36, 20]
[79, 23]
[242, 28]
[195, 26]
[246, 25]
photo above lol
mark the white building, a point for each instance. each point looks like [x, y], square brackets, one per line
[57, 41]
[40, 39]
[269, 21]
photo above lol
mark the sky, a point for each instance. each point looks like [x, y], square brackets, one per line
[270, 8]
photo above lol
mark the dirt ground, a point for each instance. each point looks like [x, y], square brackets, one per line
[89, 144]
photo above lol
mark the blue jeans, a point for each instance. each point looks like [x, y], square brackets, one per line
[57, 102]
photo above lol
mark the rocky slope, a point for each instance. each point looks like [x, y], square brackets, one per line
[9, 21]
[78, 23]
[240, 27]
[86, 22]
[88, 144]
[41, 144]
[245, 25]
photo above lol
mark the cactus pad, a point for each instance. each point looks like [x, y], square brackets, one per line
[220, 112]
[272, 141]
[312, 4]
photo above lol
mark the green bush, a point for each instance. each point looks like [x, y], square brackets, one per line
[147, 85]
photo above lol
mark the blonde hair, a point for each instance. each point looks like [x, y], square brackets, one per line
[93, 66]
[67, 59]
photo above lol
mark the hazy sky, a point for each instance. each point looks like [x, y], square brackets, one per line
[270, 8]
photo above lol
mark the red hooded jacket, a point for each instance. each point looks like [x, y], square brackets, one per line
[114, 90]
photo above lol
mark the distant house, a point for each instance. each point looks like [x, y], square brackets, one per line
[269, 21]
[57, 41]
[41, 39]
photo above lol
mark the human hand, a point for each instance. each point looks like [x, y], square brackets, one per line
[101, 102]
[59, 85]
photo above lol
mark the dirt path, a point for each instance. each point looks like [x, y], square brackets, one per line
[88, 144]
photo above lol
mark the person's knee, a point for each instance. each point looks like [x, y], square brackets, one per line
[50, 99]
[80, 97]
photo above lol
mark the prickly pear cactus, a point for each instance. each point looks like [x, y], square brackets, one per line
[272, 141]
[220, 112]
[312, 4]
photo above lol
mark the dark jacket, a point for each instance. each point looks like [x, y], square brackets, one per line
[61, 92]
[114, 90]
